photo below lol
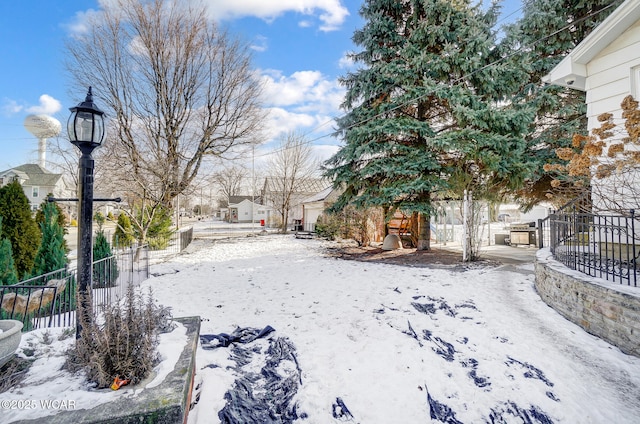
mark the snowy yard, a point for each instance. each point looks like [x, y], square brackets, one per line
[394, 344]
[376, 343]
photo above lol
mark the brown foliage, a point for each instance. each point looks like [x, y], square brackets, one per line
[586, 158]
[124, 345]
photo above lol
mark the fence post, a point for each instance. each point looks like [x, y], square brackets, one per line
[540, 234]
[633, 243]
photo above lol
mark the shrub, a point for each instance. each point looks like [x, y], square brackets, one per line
[124, 345]
[19, 227]
[52, 254]
[99, 218]
[328, 226]
[61, 219]
[158, 242]
[8, 273]
[105, 271]
[123, 236]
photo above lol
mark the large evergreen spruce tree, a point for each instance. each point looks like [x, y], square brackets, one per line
[424, 113]
[19, 227]
[547, 31]
[52, 254]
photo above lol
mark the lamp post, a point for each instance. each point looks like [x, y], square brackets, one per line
[86, 131]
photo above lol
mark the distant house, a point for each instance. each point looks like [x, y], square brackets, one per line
[36, 183]
[315, 205]
[247, 209]
[275, 190]
[606, 65]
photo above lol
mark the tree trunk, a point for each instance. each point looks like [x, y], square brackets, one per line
[424, 232]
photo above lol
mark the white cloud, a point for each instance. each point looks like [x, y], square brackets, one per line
[82, 21]
[346, 62]
[324, 151]
[259, 44]
[305, 101]
[307, 91]
[48, 106]
[331, 12]
[11, 107]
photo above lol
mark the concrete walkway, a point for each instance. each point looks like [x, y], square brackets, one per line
[507, 255]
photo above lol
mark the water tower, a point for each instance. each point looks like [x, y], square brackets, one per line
[43, 127]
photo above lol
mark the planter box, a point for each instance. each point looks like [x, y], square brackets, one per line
[9, 339]
[167, 403]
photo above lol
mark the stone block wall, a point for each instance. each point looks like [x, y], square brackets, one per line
[605, 309]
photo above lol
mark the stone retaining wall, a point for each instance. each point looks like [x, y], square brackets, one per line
[605, 309]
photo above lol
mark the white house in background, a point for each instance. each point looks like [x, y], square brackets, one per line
[275, 189]
[314, 206]
[606, 65]
[247, 209]
[36, 183]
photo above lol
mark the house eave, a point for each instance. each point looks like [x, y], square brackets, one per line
[572, 70]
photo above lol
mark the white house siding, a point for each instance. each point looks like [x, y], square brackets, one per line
[311, 213]
[245, 209]
[609, 76]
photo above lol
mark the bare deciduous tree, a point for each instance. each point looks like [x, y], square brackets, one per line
[176, 89]
[290, 168]
[229, 182]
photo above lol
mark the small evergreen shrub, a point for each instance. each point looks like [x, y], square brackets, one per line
[52, 254]
[105, 271]
[328, 226]
[124, 343]
[158, 242]
[123, 236]
[8, 274]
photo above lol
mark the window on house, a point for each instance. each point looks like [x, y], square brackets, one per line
[35, 191]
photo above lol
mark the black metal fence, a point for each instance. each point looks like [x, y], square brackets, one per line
[172, 244]
[49, 300]
[603, 246]
[43, 301]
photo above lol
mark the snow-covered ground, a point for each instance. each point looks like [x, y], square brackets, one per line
[376, 343]
[386, 339]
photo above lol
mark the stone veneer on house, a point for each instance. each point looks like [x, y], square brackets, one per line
[605, 309]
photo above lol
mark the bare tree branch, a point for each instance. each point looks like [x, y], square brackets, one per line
[175, 88]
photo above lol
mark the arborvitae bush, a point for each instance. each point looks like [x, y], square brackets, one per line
[52, 254]
[61, 219]
[122, 343]
[19, 227]
[123, 236]
[105, 272]
[160, 230]
[7, 267]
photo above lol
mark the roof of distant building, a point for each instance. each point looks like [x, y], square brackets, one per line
[234, 200]
[34, 175]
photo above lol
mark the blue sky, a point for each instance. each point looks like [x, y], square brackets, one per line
[299, 48]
